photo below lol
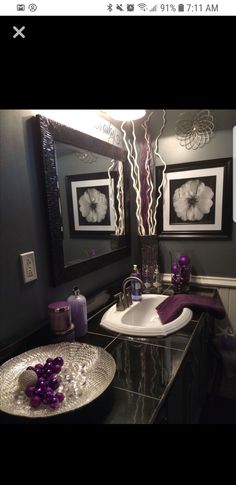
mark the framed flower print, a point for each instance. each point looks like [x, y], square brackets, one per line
[91, 203]
[196, 200]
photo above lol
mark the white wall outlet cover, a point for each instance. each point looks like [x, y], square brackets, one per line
[28, 266]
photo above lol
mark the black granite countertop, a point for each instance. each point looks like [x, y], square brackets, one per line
[145, 371]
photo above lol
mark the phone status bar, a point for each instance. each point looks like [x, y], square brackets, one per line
[99, 7]
[164, 8]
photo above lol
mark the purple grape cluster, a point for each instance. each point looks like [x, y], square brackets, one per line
[43, 392]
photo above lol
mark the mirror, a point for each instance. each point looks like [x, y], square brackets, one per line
[87, 200]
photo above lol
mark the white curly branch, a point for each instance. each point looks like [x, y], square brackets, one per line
[133, 159]
[136, 186]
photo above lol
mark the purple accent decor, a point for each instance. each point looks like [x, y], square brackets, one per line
[174, 268]
[145, 189]
[54, 404]
[58, 306]
[56, 368]
[29, 391]
[172, 306]
[59, 361]
[181, 274]
[55, 382]
[49, 360]
[78, 307]
[35, 401]
[184, 260]
[59, 316]
[60, 396]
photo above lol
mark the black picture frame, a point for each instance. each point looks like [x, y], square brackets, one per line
[77, 186]
[196, 200]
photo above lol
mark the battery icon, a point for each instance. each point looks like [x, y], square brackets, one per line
[181, 7]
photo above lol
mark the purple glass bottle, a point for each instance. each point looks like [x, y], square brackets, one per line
[78, 308]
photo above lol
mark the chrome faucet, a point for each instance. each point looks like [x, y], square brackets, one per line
[125, 299]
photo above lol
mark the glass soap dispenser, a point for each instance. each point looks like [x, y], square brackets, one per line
[157, 280]
[78, 309]
[136, 288]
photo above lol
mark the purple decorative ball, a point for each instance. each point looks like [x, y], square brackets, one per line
[59, 361]
[49, 396]
[184, 260]
[173, 279]
[60, 396]
[56, 368]
[49, 360]
[38, 369]
[46, 381]
[35, 401]
[38, 391]
[48, 389]
[29, 391]
[55, 382]
[174, 268]
[47, 373]
[41, 381]
[54, 404]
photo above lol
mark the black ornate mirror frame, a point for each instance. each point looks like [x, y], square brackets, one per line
[49, 132]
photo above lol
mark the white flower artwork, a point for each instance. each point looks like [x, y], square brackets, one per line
[193, 200]
[196, 199]
[93, 205]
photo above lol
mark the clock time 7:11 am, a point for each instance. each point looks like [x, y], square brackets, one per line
[200, 8]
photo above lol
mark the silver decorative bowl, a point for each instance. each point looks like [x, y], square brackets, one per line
[86, 373]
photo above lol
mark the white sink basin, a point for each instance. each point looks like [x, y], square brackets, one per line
[141, 318]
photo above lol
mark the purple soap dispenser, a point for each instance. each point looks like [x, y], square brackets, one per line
[78, 308]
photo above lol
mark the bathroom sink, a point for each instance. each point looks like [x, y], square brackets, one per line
[141, 318]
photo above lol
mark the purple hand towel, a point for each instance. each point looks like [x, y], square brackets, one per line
[172, 306]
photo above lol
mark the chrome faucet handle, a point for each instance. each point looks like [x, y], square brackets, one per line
[120, 305]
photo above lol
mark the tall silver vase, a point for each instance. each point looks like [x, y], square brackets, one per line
[149, 259]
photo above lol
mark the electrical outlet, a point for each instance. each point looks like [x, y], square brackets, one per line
[28, 266]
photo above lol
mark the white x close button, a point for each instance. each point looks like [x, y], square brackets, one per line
[18, 32]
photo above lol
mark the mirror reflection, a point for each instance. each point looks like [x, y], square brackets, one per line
[92, 202]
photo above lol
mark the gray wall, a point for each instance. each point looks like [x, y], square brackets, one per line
[23, 228]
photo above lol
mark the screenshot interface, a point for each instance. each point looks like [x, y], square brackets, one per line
[111, 8]
[53, 23]
[26, 20]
